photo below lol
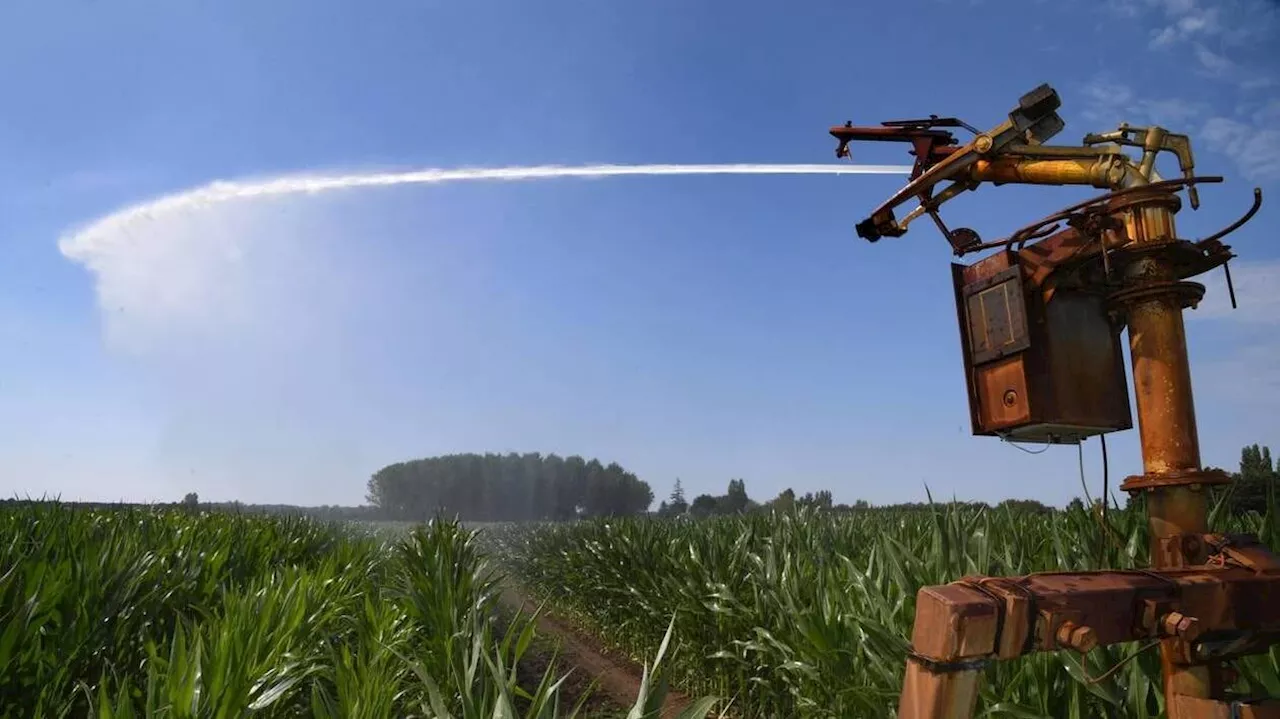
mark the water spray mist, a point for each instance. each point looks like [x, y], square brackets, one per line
[103, 233]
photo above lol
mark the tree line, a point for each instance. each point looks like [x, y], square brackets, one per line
[735, 500]
[1258, 477]
[507, 488]
[514, 487]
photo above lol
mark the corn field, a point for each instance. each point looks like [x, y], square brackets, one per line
[164, 613]
[808, 614]
[168, 613]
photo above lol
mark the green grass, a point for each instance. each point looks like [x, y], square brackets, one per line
[164, 613]
[808, 614]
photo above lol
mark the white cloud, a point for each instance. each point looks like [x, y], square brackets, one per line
[1108, 100]
[1163, 37]
[1257, 83]
[1212, 63]
[1249, 137]
[1268, 112]
[1185, 21]
[1235, 22]
[1220, 36]
[1255, 149]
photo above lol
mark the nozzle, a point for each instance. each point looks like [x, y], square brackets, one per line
[881, 223]
[1097, 138]
[867, 230]
[1180, 145]
[1153, 140]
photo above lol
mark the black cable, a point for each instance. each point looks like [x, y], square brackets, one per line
[1106, 491]
[1004, 437]
[1106, 498]
[1083, 484]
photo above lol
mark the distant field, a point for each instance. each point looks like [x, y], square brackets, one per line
[393, 526]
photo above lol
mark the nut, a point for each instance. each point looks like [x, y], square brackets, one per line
[1177, 624]
[1080, 638]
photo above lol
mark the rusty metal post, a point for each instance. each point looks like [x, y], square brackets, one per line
[1173, 482]
[955, 634]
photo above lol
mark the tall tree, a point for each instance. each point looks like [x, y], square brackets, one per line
[704, 505]
[785, 501]
[736, 499]
[676, 503]
[1256, 477]
[510, 487]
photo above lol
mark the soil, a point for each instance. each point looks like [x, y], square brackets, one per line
[616, 678]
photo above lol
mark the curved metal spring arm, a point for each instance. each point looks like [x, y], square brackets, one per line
[1217, 236]
[1257, 204]
[1037, 228]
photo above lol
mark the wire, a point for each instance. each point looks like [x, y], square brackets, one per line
[1005, 438]
[1103, 676]
[1100, 514]
[1083, 484]
[1107, 530]
[1106, 480]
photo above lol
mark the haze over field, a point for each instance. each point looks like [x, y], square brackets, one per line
[282, 348]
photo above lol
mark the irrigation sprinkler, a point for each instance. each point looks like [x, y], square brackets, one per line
[1041, 317]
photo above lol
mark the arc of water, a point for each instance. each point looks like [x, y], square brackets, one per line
[85, 242]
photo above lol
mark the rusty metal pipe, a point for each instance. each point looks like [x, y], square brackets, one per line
[1108, 171]
[1167, 426]
[1176, 504]
[1162, 389]
[1153, 144]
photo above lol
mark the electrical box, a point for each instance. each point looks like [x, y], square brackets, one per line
[1048, 372]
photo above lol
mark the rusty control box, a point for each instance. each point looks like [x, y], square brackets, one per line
[1048, 371]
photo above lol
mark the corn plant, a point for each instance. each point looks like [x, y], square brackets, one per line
[808, 613]
[179, 615]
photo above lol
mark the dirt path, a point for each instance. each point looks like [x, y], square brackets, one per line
[618, 678]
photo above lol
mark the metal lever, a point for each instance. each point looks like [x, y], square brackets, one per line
[1034, 121]
[1153, 140]
[929, 144]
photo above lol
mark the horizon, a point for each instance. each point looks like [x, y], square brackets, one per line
[271, 350]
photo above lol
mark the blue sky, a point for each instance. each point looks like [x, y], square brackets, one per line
[280, 350]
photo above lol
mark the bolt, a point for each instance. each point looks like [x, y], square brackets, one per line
[1177, 624]
[1080, 638]
[1010, 398]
